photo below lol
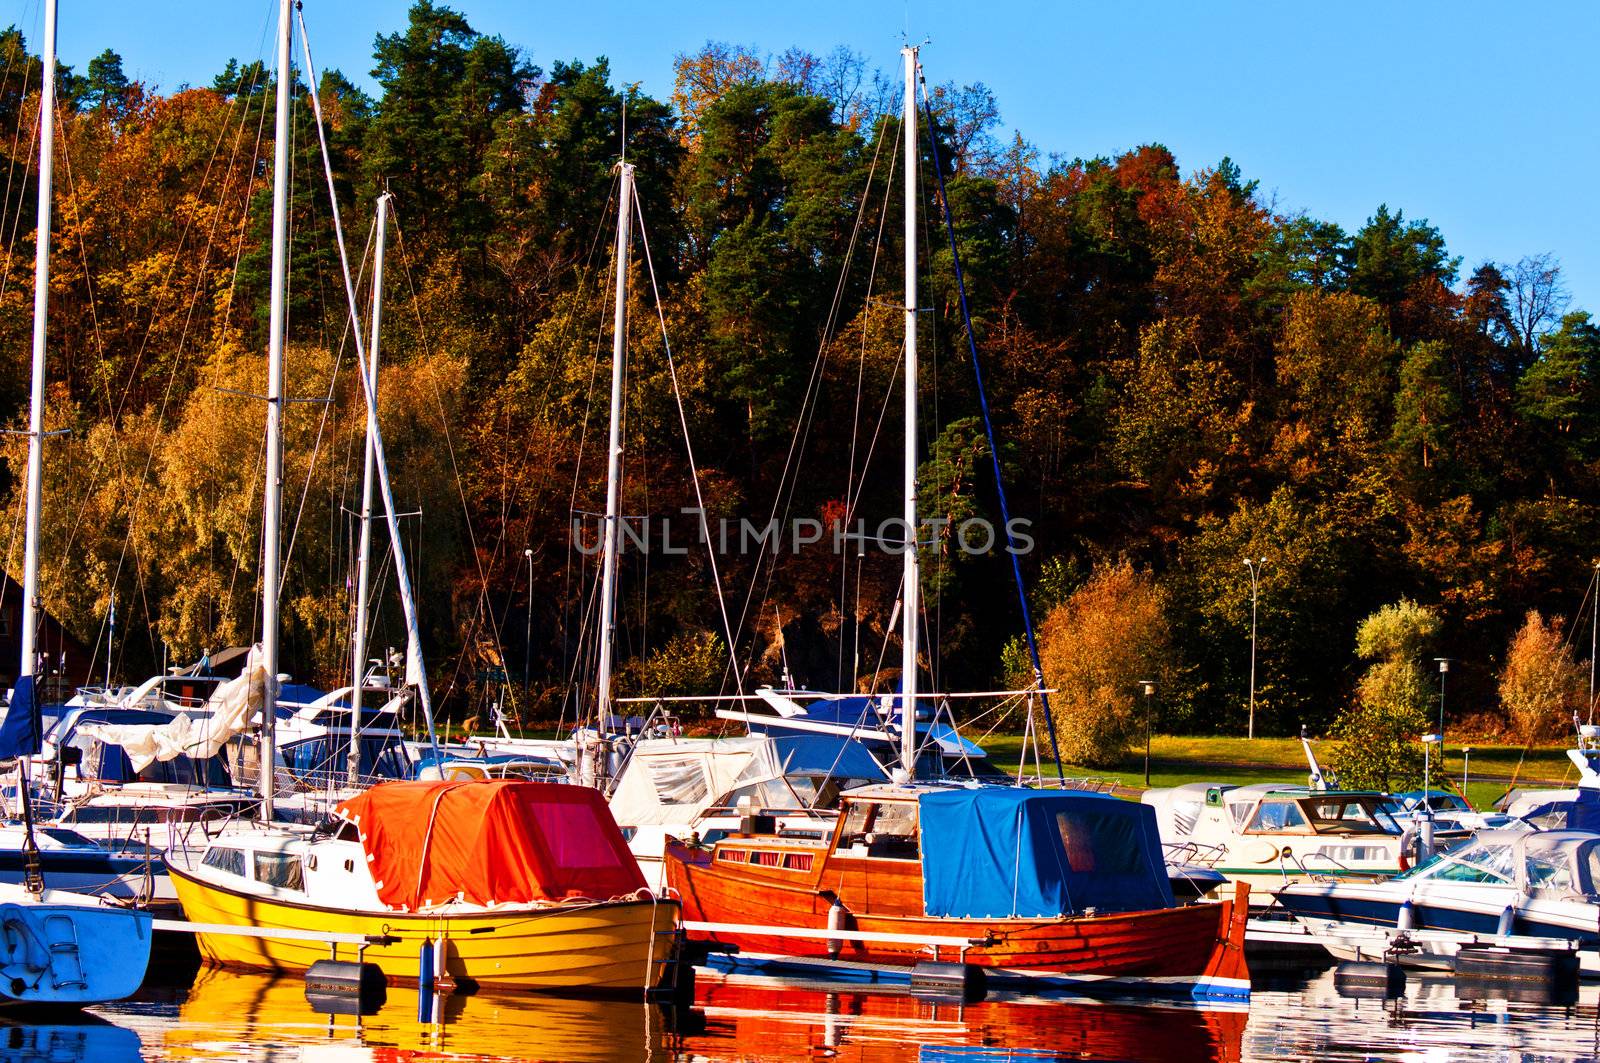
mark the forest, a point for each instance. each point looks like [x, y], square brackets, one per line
[1180, 376]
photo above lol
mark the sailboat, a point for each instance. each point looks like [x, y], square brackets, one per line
[491, 883]
[55, 947]
[1036, 887]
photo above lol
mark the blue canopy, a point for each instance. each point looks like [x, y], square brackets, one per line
[21, 731]
[825, 755]
[1006, 851]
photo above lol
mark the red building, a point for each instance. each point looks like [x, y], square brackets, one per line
[63, 660]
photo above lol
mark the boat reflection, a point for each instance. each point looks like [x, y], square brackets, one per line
[84, 1039]
[789, 1021]
[233, 1015]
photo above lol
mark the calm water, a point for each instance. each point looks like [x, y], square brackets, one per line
[227, 1016]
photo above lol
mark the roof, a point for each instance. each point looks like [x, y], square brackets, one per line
[1010, 852]
[429, 844]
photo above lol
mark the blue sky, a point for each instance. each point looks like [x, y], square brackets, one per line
[1480, 117]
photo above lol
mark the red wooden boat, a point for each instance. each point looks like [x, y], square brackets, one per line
[1038, 887]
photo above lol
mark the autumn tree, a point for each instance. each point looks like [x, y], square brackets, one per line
[1096, 646]
[1541, 685]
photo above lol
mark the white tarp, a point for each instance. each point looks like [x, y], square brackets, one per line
[234, 707]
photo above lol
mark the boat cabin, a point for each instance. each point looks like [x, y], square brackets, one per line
[971, 852]
[1269, 834]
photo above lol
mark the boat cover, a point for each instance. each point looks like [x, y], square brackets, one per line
[1010, 852]
[500, 842]
[231, 710]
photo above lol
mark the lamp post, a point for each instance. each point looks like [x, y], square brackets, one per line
[1149, 687]
[1425, 827]
[1466, 760]
[1444, 667]
[1594, 637]
[527, 638]
[1251, 565]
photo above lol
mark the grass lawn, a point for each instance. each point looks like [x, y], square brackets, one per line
[1176, 759]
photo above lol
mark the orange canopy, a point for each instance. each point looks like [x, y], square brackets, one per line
[498, 842]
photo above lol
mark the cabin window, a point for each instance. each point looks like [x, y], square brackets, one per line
[281, 870]
[678, 780]
[1185, 814]
[229, 860]
[732, 856]
[1549, 871]
[894, 831]
[1278, 816]
[855, 823]
[797, 861]
[1477, 863]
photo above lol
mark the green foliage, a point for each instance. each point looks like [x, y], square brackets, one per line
[1378, 749]
[691, 662]
[1378, 735]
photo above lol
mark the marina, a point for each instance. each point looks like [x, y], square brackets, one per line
[510, 564]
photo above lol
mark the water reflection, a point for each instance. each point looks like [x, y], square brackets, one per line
[73, 1038]
[803, 1023]
[226, 1015]
[1435, 1021]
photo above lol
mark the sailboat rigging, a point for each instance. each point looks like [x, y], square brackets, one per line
[59, 948]
[1035, 886]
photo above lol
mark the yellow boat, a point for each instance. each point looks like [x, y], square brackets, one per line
[521, 882]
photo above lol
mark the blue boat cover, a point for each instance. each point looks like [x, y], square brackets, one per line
[1006, 851]
[21, 732]
[833, 755]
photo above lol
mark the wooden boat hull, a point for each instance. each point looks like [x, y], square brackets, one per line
[1194, 952]
[611, 946]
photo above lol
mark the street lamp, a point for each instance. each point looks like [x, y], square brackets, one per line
[1594, 638]
[1149, 687]
[527, 639]
[1425, 829]
[1250, 565]
[1466, 760]
[1444, 667]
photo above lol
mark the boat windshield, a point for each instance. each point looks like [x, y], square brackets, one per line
[1475, 862]
[1350, 815]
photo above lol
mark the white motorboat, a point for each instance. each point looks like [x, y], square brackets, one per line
[1270, 835]
[1519, 888]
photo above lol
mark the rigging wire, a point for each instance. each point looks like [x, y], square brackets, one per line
[688, 445]
[988, 430]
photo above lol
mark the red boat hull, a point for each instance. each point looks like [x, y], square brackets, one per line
[1195, 951]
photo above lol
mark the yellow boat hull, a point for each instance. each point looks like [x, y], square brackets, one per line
[617, 946]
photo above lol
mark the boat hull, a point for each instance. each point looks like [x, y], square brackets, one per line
[612, 946]
[1360, 921]
[63, 951]
[1194, 952]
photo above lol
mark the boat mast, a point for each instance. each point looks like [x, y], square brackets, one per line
[619, 340]
[272, 503]
[358, 639]
[909, 613]
[25, 698]
[41, 306]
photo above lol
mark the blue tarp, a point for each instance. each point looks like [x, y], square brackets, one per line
[21, 732]
[825, 755]
[1006, 851]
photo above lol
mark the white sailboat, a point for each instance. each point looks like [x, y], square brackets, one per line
[55, 947]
